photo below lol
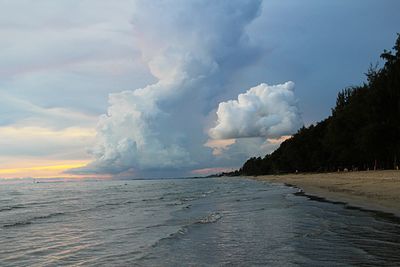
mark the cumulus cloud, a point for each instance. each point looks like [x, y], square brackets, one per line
[191, 54]
[57, 84]
[263, 111]
[189, 49]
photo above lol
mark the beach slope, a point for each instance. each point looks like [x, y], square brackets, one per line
[373, 190]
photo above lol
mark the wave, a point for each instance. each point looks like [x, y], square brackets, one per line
[115, 204]
[175, 235]
[32, 220]
[12, 208]
[22, 223]
[27, 204]
[180, 232]
[208, 219]
[152, 199]
[211, 218]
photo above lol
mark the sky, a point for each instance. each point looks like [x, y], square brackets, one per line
[134, 89]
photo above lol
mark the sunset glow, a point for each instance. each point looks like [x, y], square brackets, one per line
[51, 169]
[138, 90]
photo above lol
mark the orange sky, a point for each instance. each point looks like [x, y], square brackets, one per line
[67, 150]
[40, 169]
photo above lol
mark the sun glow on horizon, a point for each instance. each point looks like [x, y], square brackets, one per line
[52, 169]
[43, 152]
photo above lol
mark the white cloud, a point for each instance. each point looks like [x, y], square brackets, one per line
[263, 111]
[183, 58]
[190, 48]
[59, 60]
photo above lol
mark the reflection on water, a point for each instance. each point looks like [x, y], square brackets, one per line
[194, 222]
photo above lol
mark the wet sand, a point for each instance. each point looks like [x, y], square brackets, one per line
[373, 190]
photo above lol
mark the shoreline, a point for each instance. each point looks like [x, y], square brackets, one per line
[369, 190]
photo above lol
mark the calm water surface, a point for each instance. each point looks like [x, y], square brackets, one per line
[186, 222]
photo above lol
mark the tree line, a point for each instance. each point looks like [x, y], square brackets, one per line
[363, 131]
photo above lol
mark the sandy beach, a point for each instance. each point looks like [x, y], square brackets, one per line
[373, 190]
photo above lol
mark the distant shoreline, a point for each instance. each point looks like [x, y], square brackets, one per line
[372, 190]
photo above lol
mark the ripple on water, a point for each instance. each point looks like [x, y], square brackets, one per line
[195, 222]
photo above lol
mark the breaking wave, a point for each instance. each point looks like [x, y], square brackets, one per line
[32, 220]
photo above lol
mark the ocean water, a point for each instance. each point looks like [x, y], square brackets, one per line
[186, 222]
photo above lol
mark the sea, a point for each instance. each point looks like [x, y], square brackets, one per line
[186, 222]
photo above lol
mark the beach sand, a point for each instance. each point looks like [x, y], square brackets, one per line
[372, 190]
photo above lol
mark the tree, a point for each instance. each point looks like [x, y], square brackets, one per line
[362, 132]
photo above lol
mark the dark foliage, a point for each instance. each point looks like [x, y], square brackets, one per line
[363, 131]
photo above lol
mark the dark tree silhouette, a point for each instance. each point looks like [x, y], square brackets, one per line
[363, 131]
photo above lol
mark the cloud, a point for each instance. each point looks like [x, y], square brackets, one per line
[78, 52]
[263, 111]
[207, 171]
[190, 48]
[54, 87]
[19, 112]
[190, 55]
[219, 145]
[243, 148]
[19, 142]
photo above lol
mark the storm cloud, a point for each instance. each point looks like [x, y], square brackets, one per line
[190, 49]
[159, 70]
